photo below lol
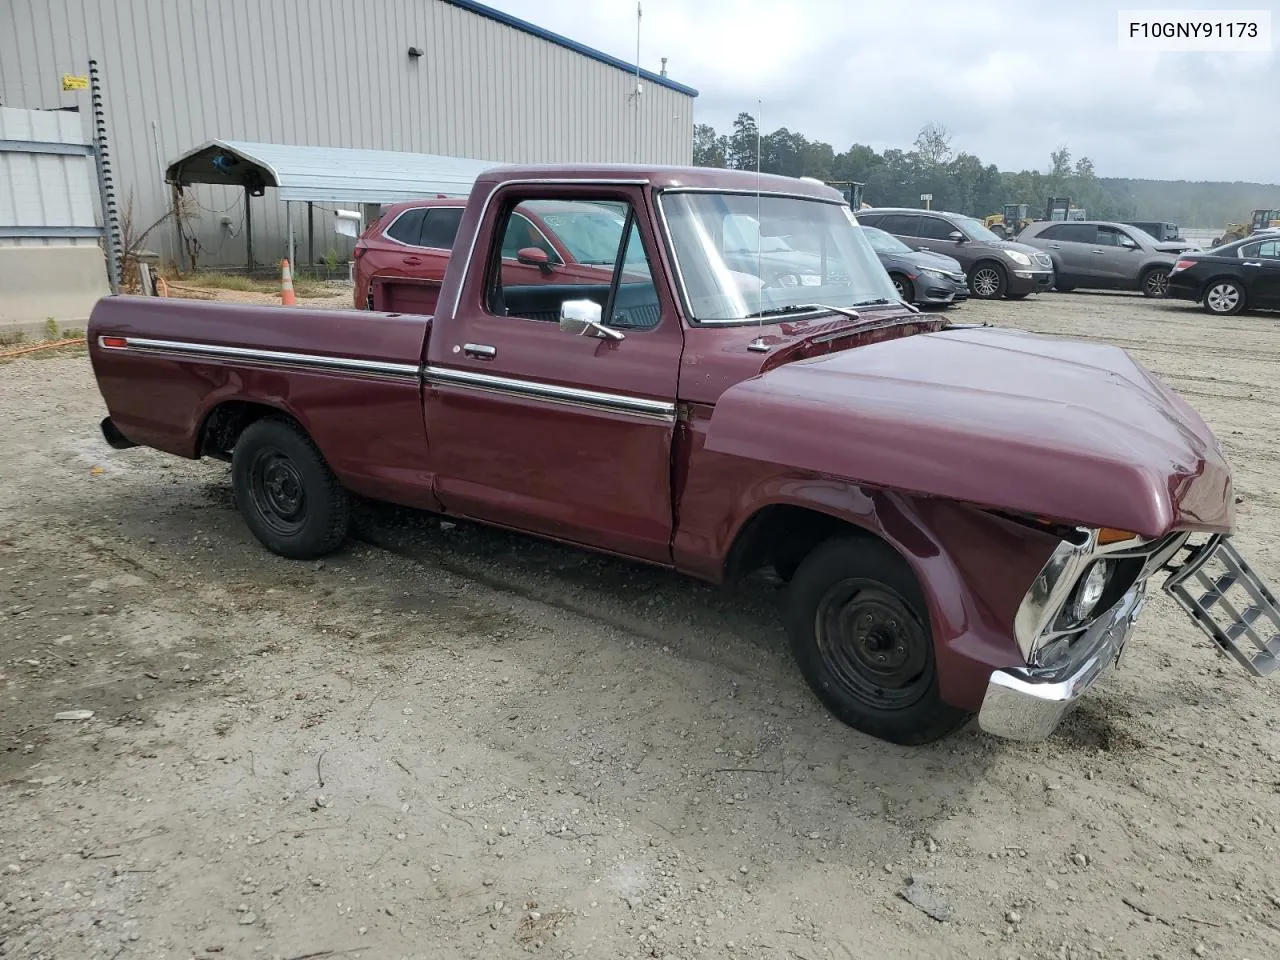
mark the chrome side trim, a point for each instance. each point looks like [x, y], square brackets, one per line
[552, 181]
[614, 402]
[210, 351]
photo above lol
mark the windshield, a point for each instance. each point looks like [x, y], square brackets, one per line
[741, 256]
[975, 230]
[882, 242]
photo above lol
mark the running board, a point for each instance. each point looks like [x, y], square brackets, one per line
[1201, 585]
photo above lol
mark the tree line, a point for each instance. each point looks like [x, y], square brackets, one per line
[962, 183]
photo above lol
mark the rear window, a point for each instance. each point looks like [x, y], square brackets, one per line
[407, 227]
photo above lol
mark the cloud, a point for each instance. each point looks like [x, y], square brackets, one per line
[1010, 80]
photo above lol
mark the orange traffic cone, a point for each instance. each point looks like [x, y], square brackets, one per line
[286, 285]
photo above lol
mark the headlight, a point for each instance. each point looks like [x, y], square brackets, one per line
[1090, 591]
[1017, 256]
[934, 273]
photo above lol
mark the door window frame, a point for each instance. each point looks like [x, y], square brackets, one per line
[487, 246]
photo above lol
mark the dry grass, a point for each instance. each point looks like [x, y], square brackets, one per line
[305, 289]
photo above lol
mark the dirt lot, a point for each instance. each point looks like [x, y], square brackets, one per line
[451, 742]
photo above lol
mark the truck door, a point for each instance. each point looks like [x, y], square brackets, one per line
[557, 433]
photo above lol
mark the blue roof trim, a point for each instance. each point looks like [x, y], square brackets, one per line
[505, 18]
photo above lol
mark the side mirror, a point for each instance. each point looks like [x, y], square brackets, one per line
[957, 236]
[534, 257]
[583, 318]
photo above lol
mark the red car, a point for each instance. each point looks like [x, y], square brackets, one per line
[401, 257]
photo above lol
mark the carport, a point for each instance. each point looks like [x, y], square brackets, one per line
[313, 175]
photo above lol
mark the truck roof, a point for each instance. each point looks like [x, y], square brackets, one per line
[663, 177]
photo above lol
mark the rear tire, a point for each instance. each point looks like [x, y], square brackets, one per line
[288, 496]
[1155, 282]
[905, 290]
[860, 633]
[1224, 298]
[988, 281]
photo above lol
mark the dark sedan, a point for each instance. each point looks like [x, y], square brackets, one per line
[922, 277]
[1243, 275]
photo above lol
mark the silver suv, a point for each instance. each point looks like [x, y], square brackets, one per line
[1102, 255]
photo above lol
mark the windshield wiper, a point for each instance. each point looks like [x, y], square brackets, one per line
[880, 300]
[804, 308]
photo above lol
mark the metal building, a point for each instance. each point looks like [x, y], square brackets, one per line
[448, 77]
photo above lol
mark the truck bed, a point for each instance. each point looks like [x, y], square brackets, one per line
[168, 367]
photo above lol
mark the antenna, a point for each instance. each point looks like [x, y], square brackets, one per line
[636, 151]
[759, 225]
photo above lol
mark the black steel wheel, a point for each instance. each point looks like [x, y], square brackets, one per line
[287, 494]
[861, 636]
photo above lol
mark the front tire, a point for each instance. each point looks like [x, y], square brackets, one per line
[905, 290]
[1155, 283]
[988, 281]
[1224, 298]
[288, 496]
[860, 633]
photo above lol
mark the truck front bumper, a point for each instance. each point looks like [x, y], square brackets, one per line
[1028, 704]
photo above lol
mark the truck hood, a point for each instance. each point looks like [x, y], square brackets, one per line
[1067, 430]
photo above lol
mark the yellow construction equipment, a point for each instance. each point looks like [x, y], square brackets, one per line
[1260, 220]
[1009, 223]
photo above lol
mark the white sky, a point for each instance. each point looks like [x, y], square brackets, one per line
[1010, 80]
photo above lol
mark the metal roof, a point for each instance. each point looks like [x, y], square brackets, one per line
[327, 174]
[524, 25]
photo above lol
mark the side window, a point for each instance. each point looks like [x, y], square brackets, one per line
[1270, 250]
[521, 234]
[870, 219]
[407, 227]
[1056, 232]
[904, 225]
[606, 262]
[1111, 237]
[1078, 233]
[934, 228]
[441, 227]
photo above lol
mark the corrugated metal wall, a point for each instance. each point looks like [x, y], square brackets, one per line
[177, 73]
[46, 198]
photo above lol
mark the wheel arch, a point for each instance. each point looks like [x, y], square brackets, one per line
[226, 419]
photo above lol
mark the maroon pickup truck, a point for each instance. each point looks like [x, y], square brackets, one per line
[967, 517]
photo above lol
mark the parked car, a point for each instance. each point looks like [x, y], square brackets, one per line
[920, 277]
[1163, 232]
[1102, 255]
[1243, 275]
[402, 256]
[996, 268]
[967, 517]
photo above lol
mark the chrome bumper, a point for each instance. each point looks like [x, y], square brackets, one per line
[1028, 704]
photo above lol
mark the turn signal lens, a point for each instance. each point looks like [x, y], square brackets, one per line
[114, 342]
[1112, 535]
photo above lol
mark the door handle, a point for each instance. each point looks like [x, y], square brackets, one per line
[1100, 252]
[481, 351]
[414, 261]
[1056, 246]
[1252, 264]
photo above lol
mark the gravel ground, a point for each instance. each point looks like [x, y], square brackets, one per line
[452, 742]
